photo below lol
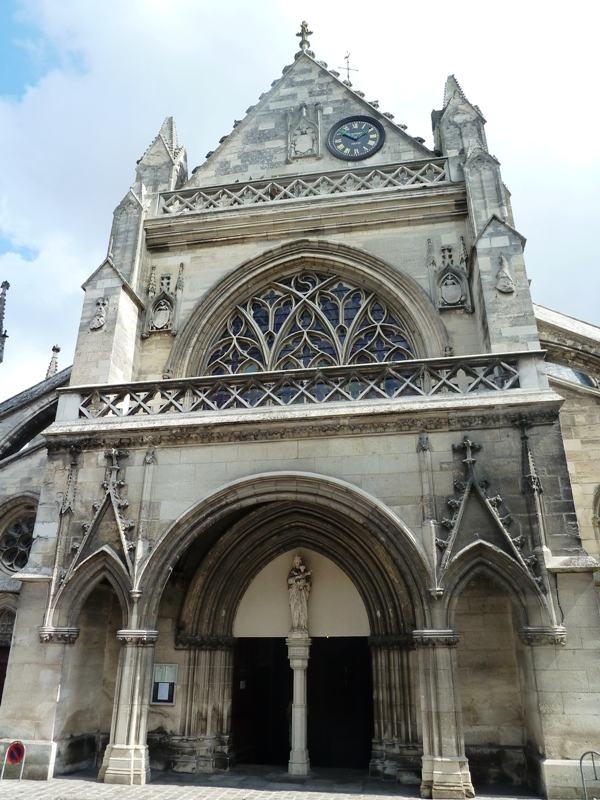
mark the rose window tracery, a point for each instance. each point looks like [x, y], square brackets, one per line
[15, 543]
[308, 320]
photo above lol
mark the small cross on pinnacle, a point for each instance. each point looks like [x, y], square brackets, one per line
[304, 43]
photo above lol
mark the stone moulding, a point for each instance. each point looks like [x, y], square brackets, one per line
[435, 638]
[49, 634]
[376, 418]
[137, 637]
[544, 635]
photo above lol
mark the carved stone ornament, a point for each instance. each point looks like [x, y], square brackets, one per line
[304, 127]
[58, 635]
[451, 290]
[141, 638]
[556, 635]
[435, 638]
[99, 318]
[504, 282]
[299, 582]
[162, 310]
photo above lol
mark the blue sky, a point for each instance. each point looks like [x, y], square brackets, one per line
[85, 85]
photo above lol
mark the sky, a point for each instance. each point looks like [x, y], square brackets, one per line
[85, 85]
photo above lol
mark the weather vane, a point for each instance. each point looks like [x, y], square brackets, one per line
[348, 68]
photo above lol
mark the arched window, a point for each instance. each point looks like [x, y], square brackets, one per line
[15, 542]
[308, 319]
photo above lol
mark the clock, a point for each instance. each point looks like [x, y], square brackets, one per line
[354, 138]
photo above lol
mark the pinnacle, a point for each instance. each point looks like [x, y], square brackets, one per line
[168, 131]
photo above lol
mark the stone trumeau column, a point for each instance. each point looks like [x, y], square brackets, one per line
[110, 321]
[126, 757]
[496, 265]
[445, 767]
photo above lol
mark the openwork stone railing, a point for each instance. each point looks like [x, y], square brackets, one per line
[217, 198]
[370, 382]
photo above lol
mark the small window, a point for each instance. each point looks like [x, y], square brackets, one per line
[163, 686]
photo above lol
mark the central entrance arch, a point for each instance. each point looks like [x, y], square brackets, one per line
[216, 551]
[339, 685]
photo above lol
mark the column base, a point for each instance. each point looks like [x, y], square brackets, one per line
[299, 763]
[446, 778]
[126, 765]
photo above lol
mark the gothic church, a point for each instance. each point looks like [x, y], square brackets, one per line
[321, 488]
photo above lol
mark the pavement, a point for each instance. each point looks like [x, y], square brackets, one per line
[259, 783]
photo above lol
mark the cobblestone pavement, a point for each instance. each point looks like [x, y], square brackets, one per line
[246, 785]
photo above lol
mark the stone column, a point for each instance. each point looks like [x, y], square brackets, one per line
[298, 643]
[445, 772]
[394, 747]
[126, 757]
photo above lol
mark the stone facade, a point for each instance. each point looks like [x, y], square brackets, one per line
[329, 358]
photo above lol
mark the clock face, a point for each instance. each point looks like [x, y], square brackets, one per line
[354, 138]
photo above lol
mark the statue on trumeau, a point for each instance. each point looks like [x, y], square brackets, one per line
[299, 582]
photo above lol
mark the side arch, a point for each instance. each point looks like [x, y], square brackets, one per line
[100, 566]
[404, 292]
[330, 516]
[480, 557]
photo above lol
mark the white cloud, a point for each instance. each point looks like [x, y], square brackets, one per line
[71, 141]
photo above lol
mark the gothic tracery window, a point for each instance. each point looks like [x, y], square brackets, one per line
[15, 543]
[305, 320]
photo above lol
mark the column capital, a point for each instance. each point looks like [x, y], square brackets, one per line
[435, 638]
[544, 634]
[141, 638]
[48, 633]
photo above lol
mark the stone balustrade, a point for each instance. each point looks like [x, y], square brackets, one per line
[446, 377]
[410, 175]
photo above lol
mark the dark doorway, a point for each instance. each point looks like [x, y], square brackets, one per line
[261, 703]
[340, 702]
[4, 654]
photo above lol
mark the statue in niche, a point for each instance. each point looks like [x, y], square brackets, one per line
[99, 317]
[299, 583]
[161, 315]
[504, 281]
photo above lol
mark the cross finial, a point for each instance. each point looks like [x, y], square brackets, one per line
[303, 35]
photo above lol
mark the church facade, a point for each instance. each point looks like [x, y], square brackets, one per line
[321, 486]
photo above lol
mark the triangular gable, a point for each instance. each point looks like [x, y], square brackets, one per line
[165, 142]
[496, 227]
[107, 266]
[259, 145]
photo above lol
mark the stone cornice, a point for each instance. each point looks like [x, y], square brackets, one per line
[381, 417]
[313, 215]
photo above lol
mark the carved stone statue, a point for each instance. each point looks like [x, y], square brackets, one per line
[100, 316]
[504, 281]
[299, 583]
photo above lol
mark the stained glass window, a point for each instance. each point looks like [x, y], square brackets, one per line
[15, 543]
[308, 320]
